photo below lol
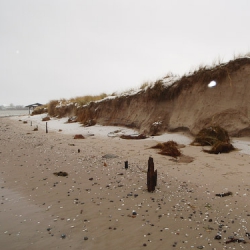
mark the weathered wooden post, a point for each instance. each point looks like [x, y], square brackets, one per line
[46, 127]
[31, 123]
[126, 164]
[151, 175]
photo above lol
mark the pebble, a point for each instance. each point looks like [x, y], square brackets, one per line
[63, 236]
[85, 238]
[217, 237]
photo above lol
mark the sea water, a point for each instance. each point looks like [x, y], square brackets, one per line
[13, 112]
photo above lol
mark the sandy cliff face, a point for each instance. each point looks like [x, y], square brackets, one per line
[189, 104]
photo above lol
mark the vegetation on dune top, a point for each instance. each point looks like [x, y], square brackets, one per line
[169, 87]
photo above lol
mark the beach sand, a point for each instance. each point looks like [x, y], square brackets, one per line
[101, 205]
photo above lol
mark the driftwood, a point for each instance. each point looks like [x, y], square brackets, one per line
[151, 175]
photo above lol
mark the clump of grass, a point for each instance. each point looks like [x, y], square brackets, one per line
[169, 148]
[146, 85]
[40, 110]
[83, 100]
[52, 107]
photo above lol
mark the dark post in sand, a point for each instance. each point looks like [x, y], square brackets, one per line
[46, 127]
[126, 164]
[151, 175]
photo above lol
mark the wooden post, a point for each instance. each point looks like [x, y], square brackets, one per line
[31, 123]
[126, 164]
[151, 175]
[46, 127]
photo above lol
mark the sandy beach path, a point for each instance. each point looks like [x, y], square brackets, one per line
[100, 205]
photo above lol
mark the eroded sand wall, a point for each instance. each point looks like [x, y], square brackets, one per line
[194, 107]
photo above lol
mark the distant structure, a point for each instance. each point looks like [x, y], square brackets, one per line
[33, 106]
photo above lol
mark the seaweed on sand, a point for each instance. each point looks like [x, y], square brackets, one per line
[79, 136]
[210, 136]
[61, 173]
[169, 148]
[135, 137]
[216, 137]
[220, 147]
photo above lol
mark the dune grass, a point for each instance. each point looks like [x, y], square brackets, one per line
[158, 89]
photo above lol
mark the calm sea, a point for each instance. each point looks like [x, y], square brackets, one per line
[6, 113]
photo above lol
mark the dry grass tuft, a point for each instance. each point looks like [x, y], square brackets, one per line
[52, 107]
[40, 110]
[83, 100]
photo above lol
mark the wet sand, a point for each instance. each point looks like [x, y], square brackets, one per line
[100, 205]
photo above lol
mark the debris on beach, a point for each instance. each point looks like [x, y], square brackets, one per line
[79, 136]
[220, 147]
[89, 123]
[169, 148]
[133, 137]
[72, 119]
[224, 194]
[61, 173]
[35, 129]
[216, 137]
[46, 118]
[210, 136]
[232, 239]
[25, 122]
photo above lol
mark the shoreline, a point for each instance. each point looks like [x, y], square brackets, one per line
[178, 213]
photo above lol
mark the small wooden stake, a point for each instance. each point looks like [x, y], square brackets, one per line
[46, 127]
[151, 175]
[126, 164]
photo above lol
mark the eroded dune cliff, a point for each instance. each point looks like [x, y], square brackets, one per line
[188, 104]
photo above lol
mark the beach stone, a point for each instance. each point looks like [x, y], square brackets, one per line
[217, 237]
[109, 156]
[63, 236]
[85, 238]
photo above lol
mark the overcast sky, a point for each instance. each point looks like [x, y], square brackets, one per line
[52, 49]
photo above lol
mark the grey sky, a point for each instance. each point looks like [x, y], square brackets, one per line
[52, 49]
